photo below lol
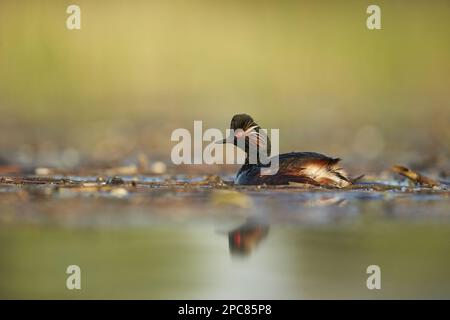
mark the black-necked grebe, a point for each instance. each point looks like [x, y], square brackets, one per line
[301, 167]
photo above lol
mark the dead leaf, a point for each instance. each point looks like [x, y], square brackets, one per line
[415, 176]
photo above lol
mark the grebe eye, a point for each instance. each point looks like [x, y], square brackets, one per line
[239, 133]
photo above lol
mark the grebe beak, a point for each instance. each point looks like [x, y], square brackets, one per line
[226, 140]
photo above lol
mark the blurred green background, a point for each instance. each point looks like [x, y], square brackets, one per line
[138, 70]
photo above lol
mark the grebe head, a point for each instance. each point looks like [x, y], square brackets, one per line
[246, 135]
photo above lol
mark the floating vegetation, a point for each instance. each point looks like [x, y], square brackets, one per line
[415, 176]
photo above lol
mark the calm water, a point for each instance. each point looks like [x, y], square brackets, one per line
[199, 241]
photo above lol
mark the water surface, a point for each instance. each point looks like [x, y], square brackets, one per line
[176, 239]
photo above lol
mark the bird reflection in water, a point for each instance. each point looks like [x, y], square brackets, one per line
[244, 239]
